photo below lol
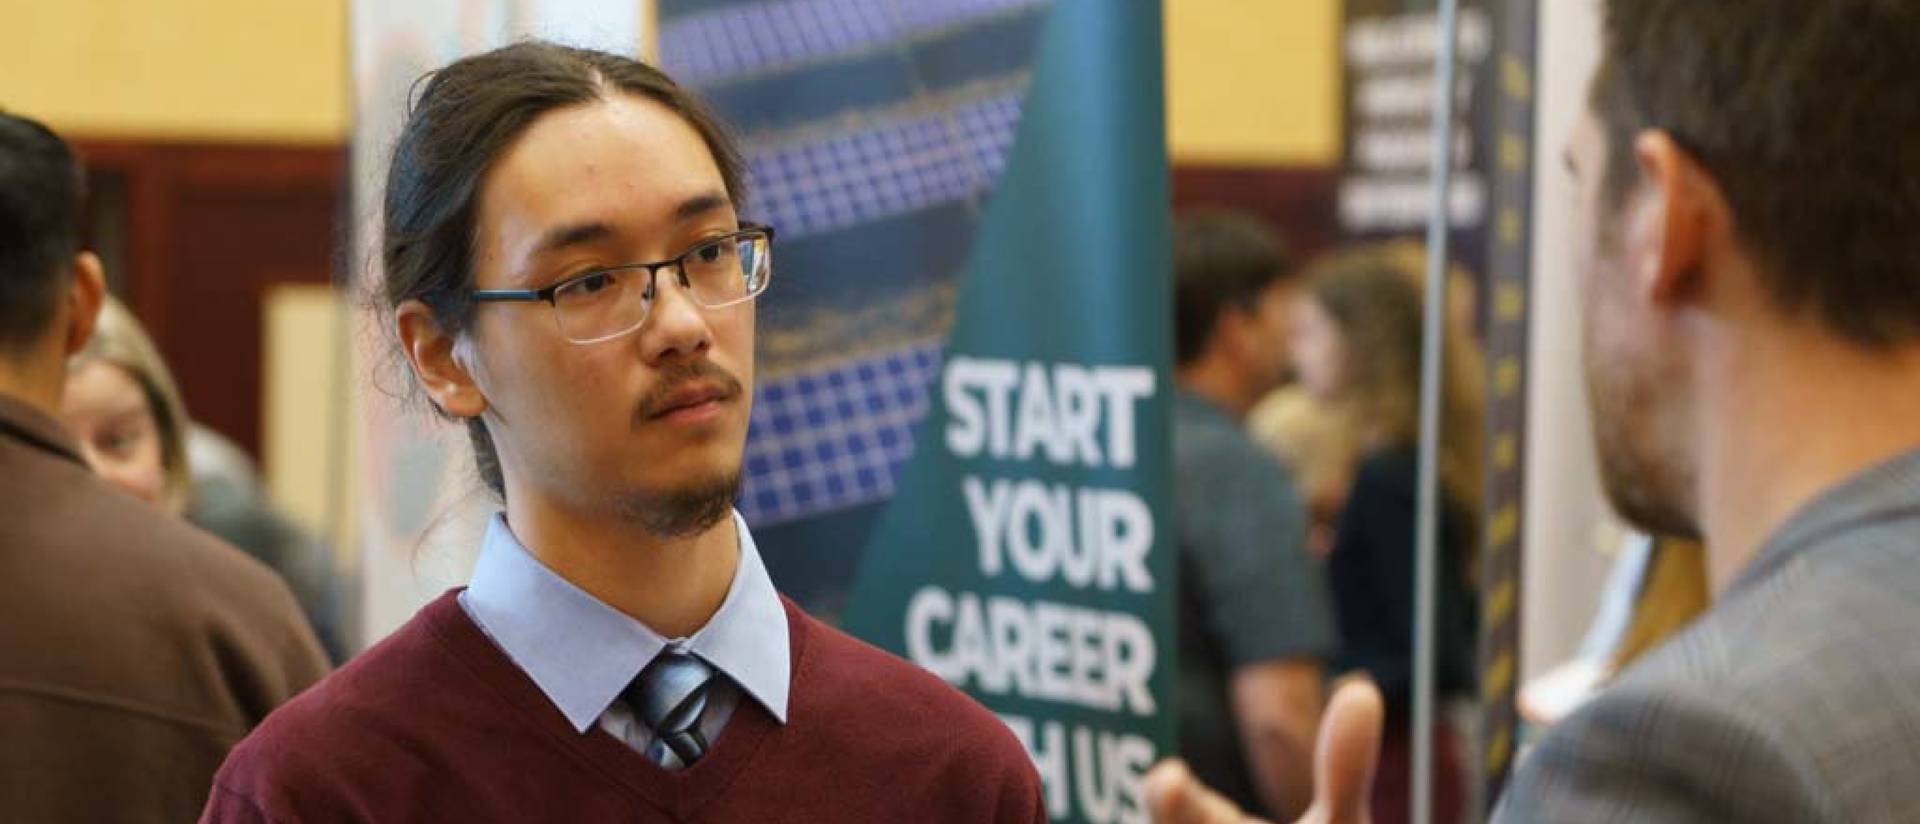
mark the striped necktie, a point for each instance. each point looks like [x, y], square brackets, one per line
[670, 697]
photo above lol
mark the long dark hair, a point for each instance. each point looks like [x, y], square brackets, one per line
[464, 118]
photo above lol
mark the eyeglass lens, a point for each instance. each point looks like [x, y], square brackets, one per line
[615, 301]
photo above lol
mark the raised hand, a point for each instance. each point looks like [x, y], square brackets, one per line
[1344, 760]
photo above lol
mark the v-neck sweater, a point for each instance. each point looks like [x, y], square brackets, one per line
[436, 723]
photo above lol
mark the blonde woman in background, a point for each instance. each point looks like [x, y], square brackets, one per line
[121, 403]
[1316, 440]
[1312, 439]
[1357, 341]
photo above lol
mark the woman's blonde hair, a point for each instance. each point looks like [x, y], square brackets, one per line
[1374, 295]
[118, 339]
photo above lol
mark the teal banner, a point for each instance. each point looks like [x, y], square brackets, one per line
[1026, 555]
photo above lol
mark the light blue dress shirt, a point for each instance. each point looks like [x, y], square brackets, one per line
[582, 652]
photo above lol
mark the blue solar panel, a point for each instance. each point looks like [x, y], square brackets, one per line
[710, 46]
[870, 165]
[833, 438]
[895, 166]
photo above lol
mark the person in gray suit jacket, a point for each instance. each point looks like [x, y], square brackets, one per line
[1750, 266]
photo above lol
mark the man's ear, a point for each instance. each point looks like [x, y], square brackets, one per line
[86, 291]
[435, 359]
[1686, 209]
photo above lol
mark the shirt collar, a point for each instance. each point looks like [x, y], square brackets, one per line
[34, 425]
[1888, 487]
[582, 652]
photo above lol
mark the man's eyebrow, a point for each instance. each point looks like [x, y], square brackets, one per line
[699, 205]
[573, 234]
[593, 231]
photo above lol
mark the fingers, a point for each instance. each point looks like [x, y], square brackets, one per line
[1347, 752]
[1174, 796]
[1344, 761]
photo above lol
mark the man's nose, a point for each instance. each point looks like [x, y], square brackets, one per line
[678, 324]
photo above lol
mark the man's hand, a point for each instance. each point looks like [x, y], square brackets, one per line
[1342, 770]
[1276, 707]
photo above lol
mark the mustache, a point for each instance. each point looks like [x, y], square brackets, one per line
[676, 379]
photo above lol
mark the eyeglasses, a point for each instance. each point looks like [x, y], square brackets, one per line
[601, 304]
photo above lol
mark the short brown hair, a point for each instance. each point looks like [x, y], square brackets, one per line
[1222, 260]
[1804, 113]
[42, 191]
[467, 115]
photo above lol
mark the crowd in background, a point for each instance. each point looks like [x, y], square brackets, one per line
[1302, 560]
[1297, 553]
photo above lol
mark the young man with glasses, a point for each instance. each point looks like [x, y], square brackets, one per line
[620, 653]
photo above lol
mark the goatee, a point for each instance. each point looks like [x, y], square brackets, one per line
[683, 512]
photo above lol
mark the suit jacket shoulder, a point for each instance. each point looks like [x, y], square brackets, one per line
[1795, 699]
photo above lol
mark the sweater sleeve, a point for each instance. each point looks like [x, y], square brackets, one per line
[1022, 805]
[225, 806]
[1021, 799]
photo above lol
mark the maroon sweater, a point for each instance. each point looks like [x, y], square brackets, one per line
[437, 724]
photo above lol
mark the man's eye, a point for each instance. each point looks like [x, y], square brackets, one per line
[710, 253]
[593, 283]
[118, 442]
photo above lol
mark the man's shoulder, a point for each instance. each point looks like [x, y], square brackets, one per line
[1212, 459]
[120, 578]
[1663, 751]
[1793, 693]
[387, 682]
[53, 509]
[388, 704]
[840, 676]
[837, 667]
[1197, 436]
[1837, 620]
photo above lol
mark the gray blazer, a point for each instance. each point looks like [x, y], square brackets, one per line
[1795, 698]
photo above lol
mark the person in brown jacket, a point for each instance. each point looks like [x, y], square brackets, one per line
[134, 649]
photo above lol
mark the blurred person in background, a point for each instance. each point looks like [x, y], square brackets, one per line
[1316, 440]
[1254, 621]
[1748, 192]
[122, 404]
[137, 649]
[1357, 343]
[1312, 439]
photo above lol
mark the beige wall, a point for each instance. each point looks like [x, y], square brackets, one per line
[300, 432]
[1570, 533]
[1253, 82]
[1248, 81]
[191, 69]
